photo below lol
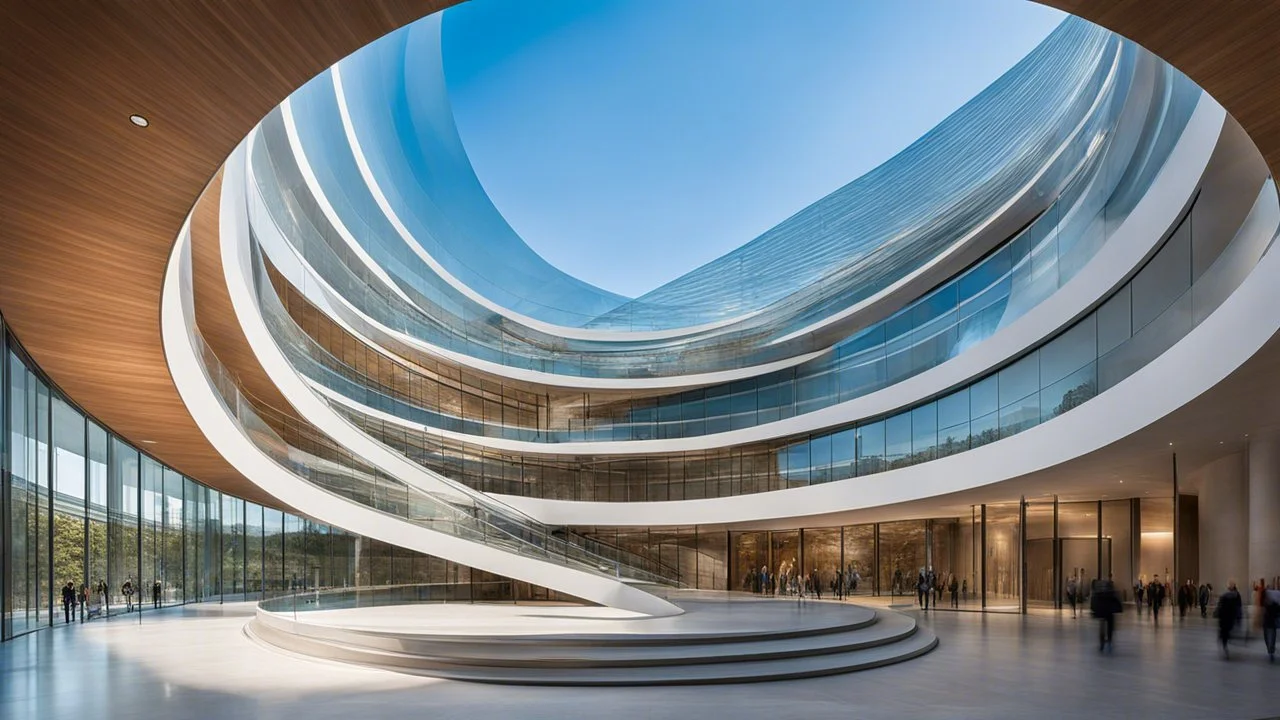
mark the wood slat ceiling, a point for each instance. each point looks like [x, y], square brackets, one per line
[90, 205]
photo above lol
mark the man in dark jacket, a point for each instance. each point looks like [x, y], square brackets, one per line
[1104, 603]
[1155, 597]
[1230, 608]
[1203, 599]
[68, 601]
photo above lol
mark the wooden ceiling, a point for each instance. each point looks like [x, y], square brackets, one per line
[90, 205]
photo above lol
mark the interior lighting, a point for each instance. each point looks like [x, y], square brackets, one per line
[139, 120]
[148, 442]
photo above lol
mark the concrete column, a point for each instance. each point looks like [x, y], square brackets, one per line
[1264, 507]
[1224, 521]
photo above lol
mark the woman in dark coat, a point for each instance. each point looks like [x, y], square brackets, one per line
[1230, 609]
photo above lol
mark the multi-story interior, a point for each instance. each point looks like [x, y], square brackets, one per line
[260, 349]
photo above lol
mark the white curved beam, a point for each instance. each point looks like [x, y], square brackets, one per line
[1134, 240]
[227, 437]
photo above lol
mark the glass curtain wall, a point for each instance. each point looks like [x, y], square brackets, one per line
[82, 506]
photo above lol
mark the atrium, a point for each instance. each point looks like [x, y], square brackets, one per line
[367, 357]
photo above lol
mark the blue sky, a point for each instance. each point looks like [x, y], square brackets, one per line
[629, 142]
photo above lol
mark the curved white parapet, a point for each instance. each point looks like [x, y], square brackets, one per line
[1137, 237]
[228, 438]
[1211, 351]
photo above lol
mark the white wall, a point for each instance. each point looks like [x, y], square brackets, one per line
[1224, 526]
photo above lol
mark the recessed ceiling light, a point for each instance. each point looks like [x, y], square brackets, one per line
[139, 120]
[1121, 482]
[1170, 444]
[148, 442]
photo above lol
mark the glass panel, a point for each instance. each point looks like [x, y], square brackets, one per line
[859, 559]
[1003, 561]
[1114, 321]
[68, 554]
[984, 397]
[902, 557]
[1018, 381]
[821, 561]
[150, 586]
[1069, 351]
[924, 433]
[1163, 279]
[123, 499]
[785, 556]
[843, 445]
[871, 448]
[898, 440]
[172, 576]
[273, 552]
[253, 553]
[99, 528]
[1020, 415]
[1068, 393]
[1078, 530]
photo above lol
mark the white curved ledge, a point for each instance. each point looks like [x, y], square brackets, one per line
[1132, 242]
[224, 433]
[1224, 341]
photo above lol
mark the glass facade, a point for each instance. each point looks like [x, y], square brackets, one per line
[82, 506]
[1094, 353]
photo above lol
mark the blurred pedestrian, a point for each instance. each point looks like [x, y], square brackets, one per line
[1271, 618]
[1105, 604]
[1228, 612]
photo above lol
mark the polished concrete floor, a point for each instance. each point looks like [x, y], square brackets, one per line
[195, 662]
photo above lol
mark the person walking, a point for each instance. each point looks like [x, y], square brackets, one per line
[127, 591]
[1073, 588]
[1271, 619]
[954, 588]
[1104, 604]
[156, 591]
[1202, 599]
[1186, 595]
[1138, 588]
[1230, 607]
[68, 601]
[83, 598]
[1155, 598]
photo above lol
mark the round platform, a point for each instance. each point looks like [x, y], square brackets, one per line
[719, 639]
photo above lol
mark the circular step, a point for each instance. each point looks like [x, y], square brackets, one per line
[712, 642]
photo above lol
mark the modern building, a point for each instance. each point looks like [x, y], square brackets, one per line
[259, 347]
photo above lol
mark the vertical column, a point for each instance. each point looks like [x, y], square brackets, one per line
[1057, 559]
[875, 561]
[982, 572]
[1022, 554]
[6, 509]
[1264, 507]
[1177, 530]
[1224, 521]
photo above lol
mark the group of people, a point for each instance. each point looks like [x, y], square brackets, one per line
[789, 581]
[931, 585]
[1229, 612]
[1188, 596]
[90, 602]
